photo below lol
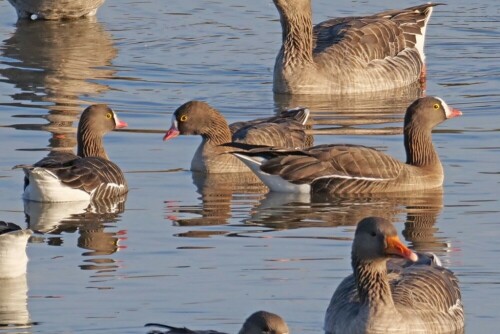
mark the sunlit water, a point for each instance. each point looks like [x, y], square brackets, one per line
[207, 252]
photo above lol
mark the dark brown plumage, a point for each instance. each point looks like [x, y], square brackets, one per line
[199, 118]
[381, 296]
[353, 169]
[91, 173]
[350, 54]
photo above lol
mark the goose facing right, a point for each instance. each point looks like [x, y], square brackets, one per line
[378, 298]
[260, 322]
[355, 169]
[350, 54]
[89, 175]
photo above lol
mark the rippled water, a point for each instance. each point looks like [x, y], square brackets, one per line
[206, 252]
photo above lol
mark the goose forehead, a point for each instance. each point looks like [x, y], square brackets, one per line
[115, 117]
[447, 109]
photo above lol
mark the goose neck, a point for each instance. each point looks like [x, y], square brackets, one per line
[372, 283]
[90, 143]
[217, 132]
[419, 148]
[297, 36]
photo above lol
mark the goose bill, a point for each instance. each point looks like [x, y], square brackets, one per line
[395, 247]
[172, 132]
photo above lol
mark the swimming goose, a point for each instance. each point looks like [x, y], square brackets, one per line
[199, 118]
[88, 175]
[351, 54]
[258, 323]
[55, 9]
[13, 258]
[353, 169]
[423, 298]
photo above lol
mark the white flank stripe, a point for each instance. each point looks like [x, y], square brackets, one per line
[333, 176]
[420, 39]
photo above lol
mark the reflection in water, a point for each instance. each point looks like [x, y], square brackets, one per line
[13, 285]
[357, 113]
[51, 63]
[220, 193]
[91, 220]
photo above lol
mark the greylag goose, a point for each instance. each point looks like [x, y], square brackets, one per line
[199, 118]
[258, 323]
[351, 54]
[353, 169]
[13, 258]
[55, 9]
[88, 175]
[380, 298]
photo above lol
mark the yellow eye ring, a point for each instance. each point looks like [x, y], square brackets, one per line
[436, 106]
[109, 115]
[183, 118]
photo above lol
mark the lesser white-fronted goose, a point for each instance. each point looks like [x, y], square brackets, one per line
[353, 169]
[13, 258]
[88, 175]
[380, 298]
[258, 323]
[350, 54]
[55, 9]
[199, 118]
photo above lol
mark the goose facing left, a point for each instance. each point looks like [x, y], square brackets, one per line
[85, 176]
[383, 296]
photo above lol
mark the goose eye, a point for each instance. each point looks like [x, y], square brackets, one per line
[373, 234]
[436, 106]
[109, 115]
[183, 118]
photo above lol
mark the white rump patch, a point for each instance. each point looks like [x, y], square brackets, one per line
[420, 39]
[45, 186]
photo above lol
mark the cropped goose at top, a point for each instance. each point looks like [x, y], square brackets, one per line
[88, 175]
[386, 296]
[259, 322]
[354, 169]
[13, 258]
[199, 118]
[351, 54]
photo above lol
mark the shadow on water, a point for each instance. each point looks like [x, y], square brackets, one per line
[49, 62]
[92, 221]
[356, 114]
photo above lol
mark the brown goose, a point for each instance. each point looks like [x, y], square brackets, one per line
[350, 54]
[55, 9]
[88, 175]
[423, 298]
[353, 169]
[199, 118]
[258, 323]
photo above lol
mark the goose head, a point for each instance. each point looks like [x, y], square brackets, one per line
[100, 119]
[195, 118]
[376, 239]
[262, 322]
[428, 112]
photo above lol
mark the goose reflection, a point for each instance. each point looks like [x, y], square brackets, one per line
[53, 64]
[94, 221]
[355, 114]
[289, 211]
[13, 284]
[220, 192]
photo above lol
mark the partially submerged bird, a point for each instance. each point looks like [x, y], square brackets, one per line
[382, 297]
[199, 118]
[259, 322]
[13, 258]
[55, 9]
[350, 54]
[89, 175]
[355, 169]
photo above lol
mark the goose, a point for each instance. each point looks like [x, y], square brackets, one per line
[350, 54]
[13, 258]
[380, 298]
[89, 175]
[55, 9]
[199, 118]
[354, 169]
[258, 323]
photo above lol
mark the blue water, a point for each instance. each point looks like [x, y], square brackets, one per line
[207, 256]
